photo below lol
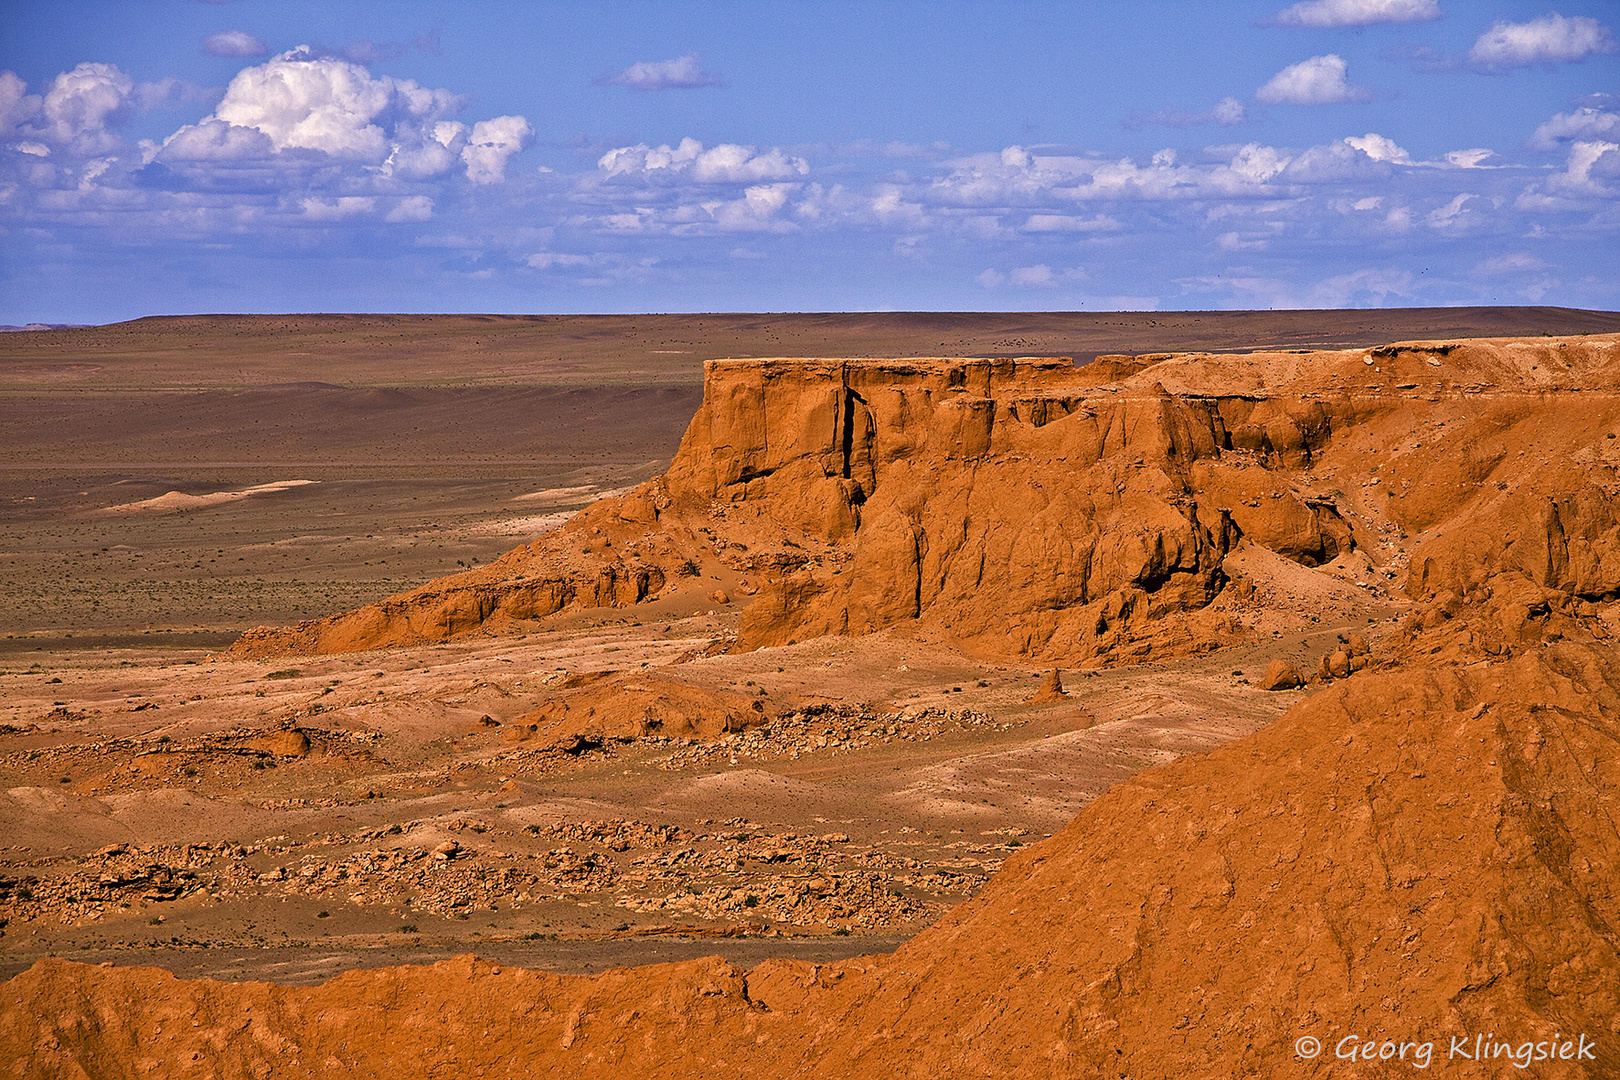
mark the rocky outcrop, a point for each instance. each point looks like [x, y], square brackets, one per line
[1028, 509]
[595, 707]
[991, 498]
[1051, 689]
[1281, 675]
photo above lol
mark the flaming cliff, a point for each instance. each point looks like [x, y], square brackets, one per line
[1029, 509]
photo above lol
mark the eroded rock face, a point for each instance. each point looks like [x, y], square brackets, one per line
[1027, 509]
[989, 497]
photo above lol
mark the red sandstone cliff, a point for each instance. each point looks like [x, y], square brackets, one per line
[1028, 509]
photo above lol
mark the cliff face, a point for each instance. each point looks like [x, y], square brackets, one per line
[1024, 508]
[1015, 504]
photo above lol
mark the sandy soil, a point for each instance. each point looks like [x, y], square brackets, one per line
[232, 804]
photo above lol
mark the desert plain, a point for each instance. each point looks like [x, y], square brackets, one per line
[347, 644]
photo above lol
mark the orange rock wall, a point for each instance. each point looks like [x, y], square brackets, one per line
[1009, 501]
[1026, 509]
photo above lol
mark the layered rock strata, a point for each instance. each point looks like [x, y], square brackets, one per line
[1029, 509]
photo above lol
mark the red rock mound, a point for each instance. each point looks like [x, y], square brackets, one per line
[625, 706]
[1051, 689]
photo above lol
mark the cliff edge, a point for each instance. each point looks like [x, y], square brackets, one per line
[1028, 509]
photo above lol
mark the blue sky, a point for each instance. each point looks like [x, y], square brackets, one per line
[276, 155]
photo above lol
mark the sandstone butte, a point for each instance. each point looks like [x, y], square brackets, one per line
[1422, 851]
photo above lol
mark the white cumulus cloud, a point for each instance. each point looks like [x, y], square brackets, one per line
[17, 105]
[234, 43]
[1589, 165]
[1336, 162]
[312, 104]
[1380, 148]
[1257, 163]
[215, 140]
[1317, 81]
[1357, 12]
[1551, 39]
[756, 211]
[723, 163]
[427, 151]
[490, 144]
[682, 73]
[1582, 124]
[298, 104]
[80, 107]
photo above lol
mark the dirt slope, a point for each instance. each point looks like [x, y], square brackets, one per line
[1415, 855]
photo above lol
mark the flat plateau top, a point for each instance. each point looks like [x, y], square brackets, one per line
[235, 351]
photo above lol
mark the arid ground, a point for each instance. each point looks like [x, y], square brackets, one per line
[285, 814]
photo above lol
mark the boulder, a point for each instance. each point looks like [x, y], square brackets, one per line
[1051, 689]
[1281, 675]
